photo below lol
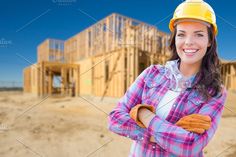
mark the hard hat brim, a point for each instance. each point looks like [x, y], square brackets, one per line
[172, 23]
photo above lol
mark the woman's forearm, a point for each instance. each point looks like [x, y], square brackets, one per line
[145, 116]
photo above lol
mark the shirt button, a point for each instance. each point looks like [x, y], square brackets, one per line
[127, 136]
[141, 138]
[153, 147]
[174, 105]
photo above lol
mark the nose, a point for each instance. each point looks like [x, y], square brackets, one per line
[189, 41]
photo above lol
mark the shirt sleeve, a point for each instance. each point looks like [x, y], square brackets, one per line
[120, 121]
[183, 143]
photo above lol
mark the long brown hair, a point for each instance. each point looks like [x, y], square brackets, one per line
[208, 79]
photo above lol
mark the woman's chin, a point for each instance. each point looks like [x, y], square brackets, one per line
[189, 60]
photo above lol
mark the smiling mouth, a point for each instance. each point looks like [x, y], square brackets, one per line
[190, 51]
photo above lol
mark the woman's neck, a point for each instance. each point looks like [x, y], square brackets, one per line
[189, 70]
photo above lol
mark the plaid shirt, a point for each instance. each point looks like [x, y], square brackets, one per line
[171, 140]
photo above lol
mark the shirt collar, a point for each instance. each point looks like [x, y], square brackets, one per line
[178, 81]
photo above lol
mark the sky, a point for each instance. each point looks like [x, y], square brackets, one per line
[25, 24]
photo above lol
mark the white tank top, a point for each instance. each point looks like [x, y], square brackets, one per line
[166, 103]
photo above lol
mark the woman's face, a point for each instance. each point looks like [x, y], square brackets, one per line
[191, 41]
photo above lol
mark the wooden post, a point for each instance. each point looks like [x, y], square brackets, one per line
[62, 81]
[77, 80]
[42, 77]
[50, 82]
[233, 76]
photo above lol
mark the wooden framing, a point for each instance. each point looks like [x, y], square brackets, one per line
[129, 46]
[228, 72]
[112, 33]
[27, 80]
[51, 50]
[67, 76]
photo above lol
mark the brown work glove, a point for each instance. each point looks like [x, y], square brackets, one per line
[134, 113]
[196, 123]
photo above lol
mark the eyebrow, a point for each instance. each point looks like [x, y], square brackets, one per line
[194, 31]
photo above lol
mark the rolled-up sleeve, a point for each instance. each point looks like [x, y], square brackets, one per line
[183, 143]
[120, 121]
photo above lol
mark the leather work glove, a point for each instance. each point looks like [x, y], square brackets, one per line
[134, 113]
[196, 123]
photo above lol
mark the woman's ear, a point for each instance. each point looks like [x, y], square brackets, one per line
[209, 44]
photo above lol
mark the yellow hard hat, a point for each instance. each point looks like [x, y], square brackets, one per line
[194, 9]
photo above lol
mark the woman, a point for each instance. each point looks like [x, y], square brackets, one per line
[174, 110]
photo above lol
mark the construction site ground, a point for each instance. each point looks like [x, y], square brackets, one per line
[77, 127]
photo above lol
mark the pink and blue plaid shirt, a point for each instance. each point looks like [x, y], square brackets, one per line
[171, 140]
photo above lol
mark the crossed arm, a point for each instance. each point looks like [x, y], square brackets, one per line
[142, 114]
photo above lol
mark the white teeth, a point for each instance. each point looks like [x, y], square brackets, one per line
[190, 51]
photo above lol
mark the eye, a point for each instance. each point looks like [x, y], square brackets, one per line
[200, 35]
[180, 35]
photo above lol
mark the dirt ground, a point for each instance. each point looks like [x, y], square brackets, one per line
[77, 127]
